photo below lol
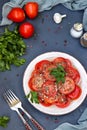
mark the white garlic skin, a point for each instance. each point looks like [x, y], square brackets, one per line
[57, 18]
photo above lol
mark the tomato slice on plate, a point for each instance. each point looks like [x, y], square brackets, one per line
[42, 99]
[63, 101]
[67, 87]
[36, 81]
[76, 93]
[47, 73]
[42, 65]
[49, 90]
[73, 73]
[62, 61]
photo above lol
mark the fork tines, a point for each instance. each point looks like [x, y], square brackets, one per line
[10, 97]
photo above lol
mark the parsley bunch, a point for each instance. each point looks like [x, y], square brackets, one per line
[12, 47]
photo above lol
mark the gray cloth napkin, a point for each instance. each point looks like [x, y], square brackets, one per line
[45, 5]
[81, 124]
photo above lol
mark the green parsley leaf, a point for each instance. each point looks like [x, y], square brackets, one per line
[33, 97]
[4, 120]
[12, 47]
[59, 73]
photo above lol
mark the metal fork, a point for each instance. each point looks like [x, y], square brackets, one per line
[15, 103]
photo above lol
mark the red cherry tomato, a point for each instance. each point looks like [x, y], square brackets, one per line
[67, 87]
[26, 30]
[76, 93]
[31, 9]
[16, 14]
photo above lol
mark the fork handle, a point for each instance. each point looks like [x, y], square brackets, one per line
[39, 127]
[27, 126]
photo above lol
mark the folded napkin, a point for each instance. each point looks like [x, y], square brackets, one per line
[81, 124]
[45, 5]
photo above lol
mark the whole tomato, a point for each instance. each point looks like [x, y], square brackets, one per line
[26, 30]
[31, 9]
[16, 14]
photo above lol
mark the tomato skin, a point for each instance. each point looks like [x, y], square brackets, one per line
[26, 30]
[65, 63]
[63, 104]
[76, 93]
[36, 81]
[67, 87]
[42, 65]
[31, 9]
[42, 99]
[73, 73]
[49, 88]
[47, 72]
[16, 14]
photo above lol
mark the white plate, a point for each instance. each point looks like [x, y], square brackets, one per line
[53, 110]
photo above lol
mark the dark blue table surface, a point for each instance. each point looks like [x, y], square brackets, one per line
[49, 37]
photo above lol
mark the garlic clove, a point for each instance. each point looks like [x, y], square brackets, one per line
[58, 17]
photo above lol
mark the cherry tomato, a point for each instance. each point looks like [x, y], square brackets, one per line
[16, 14]
[36, 81]
[76, 93]
[63, 101]
[73, 73]
[42, 65]
[67, 87]
[26, 30]
[31, 9]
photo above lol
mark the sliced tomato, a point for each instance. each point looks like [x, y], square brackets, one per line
[49, 89]
[76, 93]
[68, 62]
[36, 81]
[62, 61]
[42, 99]
[47, 73]
[42, 65]
[63, 101]
[67, 87]
[73, 73]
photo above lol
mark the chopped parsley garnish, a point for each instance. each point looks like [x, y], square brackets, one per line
[59, 73]
[4, 120]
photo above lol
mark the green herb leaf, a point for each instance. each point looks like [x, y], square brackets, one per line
[4, 120]
[33, 97]
[12, 47]
[59, 73]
